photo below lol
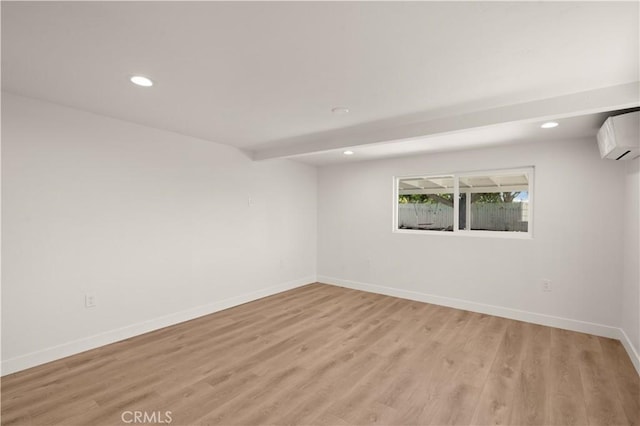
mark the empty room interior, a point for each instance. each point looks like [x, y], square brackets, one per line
[320, 213]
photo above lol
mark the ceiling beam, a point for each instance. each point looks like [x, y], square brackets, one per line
[408, 185]
[423, 125]
[495, 180]
[476, 190]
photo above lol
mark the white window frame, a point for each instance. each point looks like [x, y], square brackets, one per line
[527, 170]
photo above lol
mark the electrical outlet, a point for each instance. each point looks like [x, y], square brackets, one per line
[546, 285]
[89, 300]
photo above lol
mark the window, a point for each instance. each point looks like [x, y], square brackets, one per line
[478, 203]
[426, 203]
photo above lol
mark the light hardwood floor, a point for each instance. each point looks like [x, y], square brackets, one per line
[326, 355]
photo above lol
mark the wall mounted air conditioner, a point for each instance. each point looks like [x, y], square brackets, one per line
[619, 137]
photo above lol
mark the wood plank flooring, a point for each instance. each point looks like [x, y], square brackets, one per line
[325, 355]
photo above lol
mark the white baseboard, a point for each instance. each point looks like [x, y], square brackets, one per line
[500, 311]
[53, 353]
[633, 352]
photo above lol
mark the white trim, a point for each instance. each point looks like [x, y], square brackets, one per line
[465, 233]
[495, 234]
[531, 176]
[467, 212]
[633, 353]
[63, 350]
[500, 311]
[456, 204]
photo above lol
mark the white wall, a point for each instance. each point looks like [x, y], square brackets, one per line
[631, 287]
[577, 238]
[156, 224]
[159, 227]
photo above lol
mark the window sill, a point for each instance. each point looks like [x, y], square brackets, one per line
[473, 234]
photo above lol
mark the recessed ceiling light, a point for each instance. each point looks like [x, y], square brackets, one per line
[348, 152]
[340, 110]
[549, 125]
[141, 81]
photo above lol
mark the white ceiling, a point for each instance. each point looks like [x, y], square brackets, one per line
[264, 76]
